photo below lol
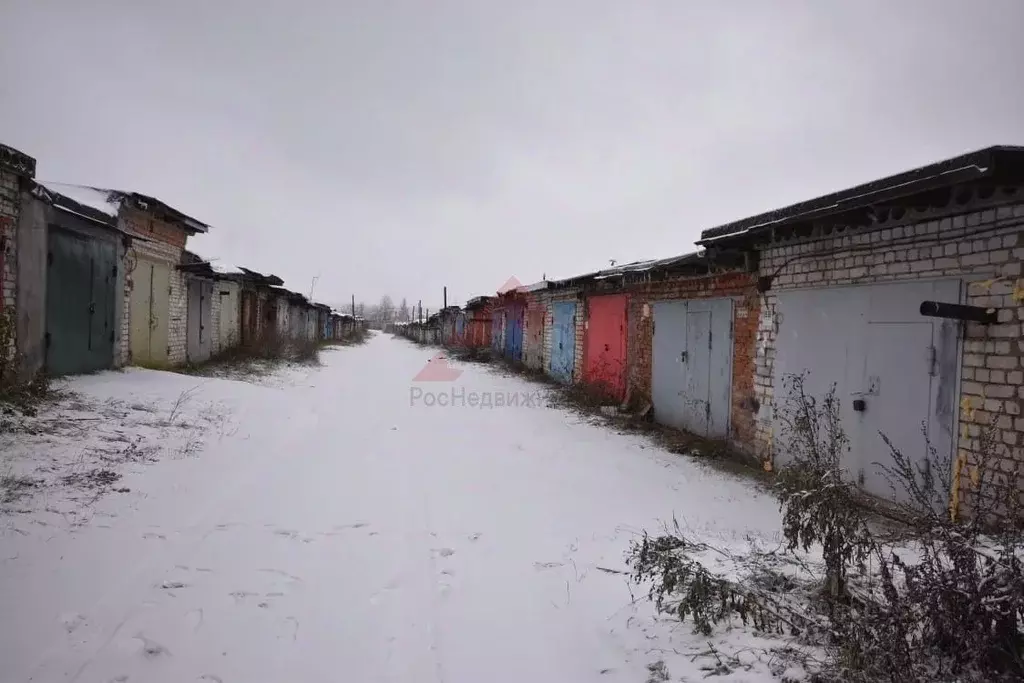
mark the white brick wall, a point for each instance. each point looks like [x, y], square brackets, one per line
[984, 248]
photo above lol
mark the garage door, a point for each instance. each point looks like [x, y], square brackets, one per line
[563, 340]
[873, 344]
[150, 311]
[691, 365]
[80, 303]
[605, 351]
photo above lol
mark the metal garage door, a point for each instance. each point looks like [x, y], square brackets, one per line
[514, 332]
[874, 345]
[605, 350]
[80, 303]
[691, 365]
[198, 331]
[563, 340]
[533, 345]
[150, 311]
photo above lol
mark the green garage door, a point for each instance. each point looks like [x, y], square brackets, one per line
[80, 300]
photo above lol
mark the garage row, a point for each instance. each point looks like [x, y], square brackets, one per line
[903, 295]
[97, 278]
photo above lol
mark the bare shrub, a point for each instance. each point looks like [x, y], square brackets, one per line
[945, 602]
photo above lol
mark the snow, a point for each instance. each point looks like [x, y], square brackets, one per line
[324, 526]
[225, 268]
[92, 197]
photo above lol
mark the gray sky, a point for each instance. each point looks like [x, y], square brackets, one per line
[394, 146]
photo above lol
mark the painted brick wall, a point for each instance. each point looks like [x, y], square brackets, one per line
[985, 249]
[740, 287]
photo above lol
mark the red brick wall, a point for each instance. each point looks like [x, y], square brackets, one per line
[155, 228]
[746, 310]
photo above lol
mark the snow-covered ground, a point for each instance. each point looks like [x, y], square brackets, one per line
[329, 525]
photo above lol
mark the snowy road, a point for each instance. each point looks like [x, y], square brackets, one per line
[340, 533]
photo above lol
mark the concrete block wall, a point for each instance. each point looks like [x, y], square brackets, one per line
[985, 248]
[741, 288]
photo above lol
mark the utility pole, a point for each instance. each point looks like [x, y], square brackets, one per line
[353, 305]
[446, 297]
[420, 307]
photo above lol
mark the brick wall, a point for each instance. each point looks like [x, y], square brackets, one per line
[740, 287]
[154, 228]
[215, 308]
[10, 201]
[984, 248]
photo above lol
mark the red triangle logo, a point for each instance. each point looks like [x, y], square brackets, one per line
[437, 369]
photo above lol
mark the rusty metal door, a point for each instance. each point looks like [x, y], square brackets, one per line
[533, 344]
[604, 366]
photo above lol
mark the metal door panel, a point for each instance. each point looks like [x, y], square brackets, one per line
[140, 315]
[67, 303]
[697, 371]
[563, 340]
[605, 357]
[667, 363]
[160, 323]
[103, 323]
[897, 400]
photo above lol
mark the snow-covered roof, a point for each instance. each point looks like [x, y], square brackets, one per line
[104, 201]
[222, 268]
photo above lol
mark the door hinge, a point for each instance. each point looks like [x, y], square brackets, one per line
[709, 339]
[49, 258]
[113, 270]
[654, 327]
[931, 361]
[111, 336]
[47, 339]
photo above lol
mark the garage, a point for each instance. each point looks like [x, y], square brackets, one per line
[895, 371]
[691, 385]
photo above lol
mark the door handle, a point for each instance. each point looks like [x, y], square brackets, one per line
[605, 347]
[683, 357]
[92, 307]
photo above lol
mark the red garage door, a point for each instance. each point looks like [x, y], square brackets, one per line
[604, 358]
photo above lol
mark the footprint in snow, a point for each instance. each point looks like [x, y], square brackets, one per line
[444, 552]
[152, 649]
[173, 585]
[241, 596]
[153, 534]
[71, 621]
[211, 677]
[475, 536]
[287, 533]
[541, 566]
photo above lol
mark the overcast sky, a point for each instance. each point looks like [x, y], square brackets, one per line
[391, 146]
